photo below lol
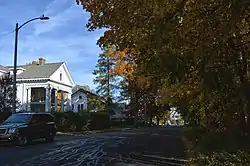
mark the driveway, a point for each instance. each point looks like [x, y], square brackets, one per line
[150, 146]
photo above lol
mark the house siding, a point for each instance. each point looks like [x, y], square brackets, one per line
[48, 80]
[65, 77]
[75, 101]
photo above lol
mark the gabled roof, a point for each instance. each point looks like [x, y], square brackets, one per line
[88, 93]
[38, 71]
[5, 69]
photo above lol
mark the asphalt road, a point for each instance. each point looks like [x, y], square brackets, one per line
[154, 146]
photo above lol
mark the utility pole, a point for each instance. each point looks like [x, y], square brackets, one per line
[14, 70]
[17, 28]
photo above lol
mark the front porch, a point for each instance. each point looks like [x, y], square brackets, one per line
[47, 99]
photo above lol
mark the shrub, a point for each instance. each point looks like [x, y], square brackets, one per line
[99, 120]
[116, 123]
[70, 121]
[221, 158]
[4, 115]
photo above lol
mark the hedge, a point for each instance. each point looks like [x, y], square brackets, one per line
[70, 121]
[239, 158]
[73, 122]
[4, 115]
[99, 121]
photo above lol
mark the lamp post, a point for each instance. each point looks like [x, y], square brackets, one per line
[17, 28]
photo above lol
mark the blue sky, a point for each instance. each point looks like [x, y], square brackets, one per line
[62, 38]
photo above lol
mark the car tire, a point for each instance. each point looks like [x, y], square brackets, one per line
[22, 140]
[50, 137]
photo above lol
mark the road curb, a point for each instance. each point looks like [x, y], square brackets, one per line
[91, 132]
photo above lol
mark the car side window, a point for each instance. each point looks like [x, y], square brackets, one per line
[35, 119]
[47, 118]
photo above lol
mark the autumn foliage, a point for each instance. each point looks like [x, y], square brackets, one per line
[192, 54]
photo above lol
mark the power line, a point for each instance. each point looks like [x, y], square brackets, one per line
[1, 36]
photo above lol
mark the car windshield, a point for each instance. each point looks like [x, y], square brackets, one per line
[18, 118]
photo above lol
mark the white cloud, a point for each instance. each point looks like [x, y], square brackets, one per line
[56, 41]
[50, 9]
[69, 49]
[58, 18]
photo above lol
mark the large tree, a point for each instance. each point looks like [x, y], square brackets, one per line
[104, 77]
[196, 50]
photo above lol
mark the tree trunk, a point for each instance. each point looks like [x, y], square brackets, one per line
[244, 82]
[134, 107]
[150, 118]
[158, 120]
[137, 107]
[108, 72]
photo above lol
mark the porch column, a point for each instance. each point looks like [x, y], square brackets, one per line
[28, 99]
[55, 101]
[68, 102]
[48, 99]
[62, 101]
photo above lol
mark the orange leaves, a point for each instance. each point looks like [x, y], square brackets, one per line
[124, 69]
[118, 56]
[125, 51]
[120, 69]
[124, 65]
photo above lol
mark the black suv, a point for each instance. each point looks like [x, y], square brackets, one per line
[24, 127]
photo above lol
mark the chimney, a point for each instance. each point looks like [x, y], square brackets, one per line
[42, 61]
[34, 63]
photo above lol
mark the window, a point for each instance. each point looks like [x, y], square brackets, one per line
[60, 76]
[73, 107]
[81, 106]
[80, 97]
[36, 118]
[47, 118]
[18, 118]
[78, 108]
[38, 94]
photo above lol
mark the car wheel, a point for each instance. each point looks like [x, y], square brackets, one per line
[22, 140]
[50, 137]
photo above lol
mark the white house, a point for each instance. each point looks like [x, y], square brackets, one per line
[79, 100]
[3, 70]
[42, 86]
[174, 115]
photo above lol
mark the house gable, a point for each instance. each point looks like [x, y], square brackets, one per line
[62, 75]
[78, 102]
[79, 93]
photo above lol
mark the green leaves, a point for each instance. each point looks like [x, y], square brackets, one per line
[6, 93]
[105, 79]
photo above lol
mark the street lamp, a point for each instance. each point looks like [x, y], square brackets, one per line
[17, 28]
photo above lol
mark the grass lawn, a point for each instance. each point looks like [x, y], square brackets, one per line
[214, 148]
